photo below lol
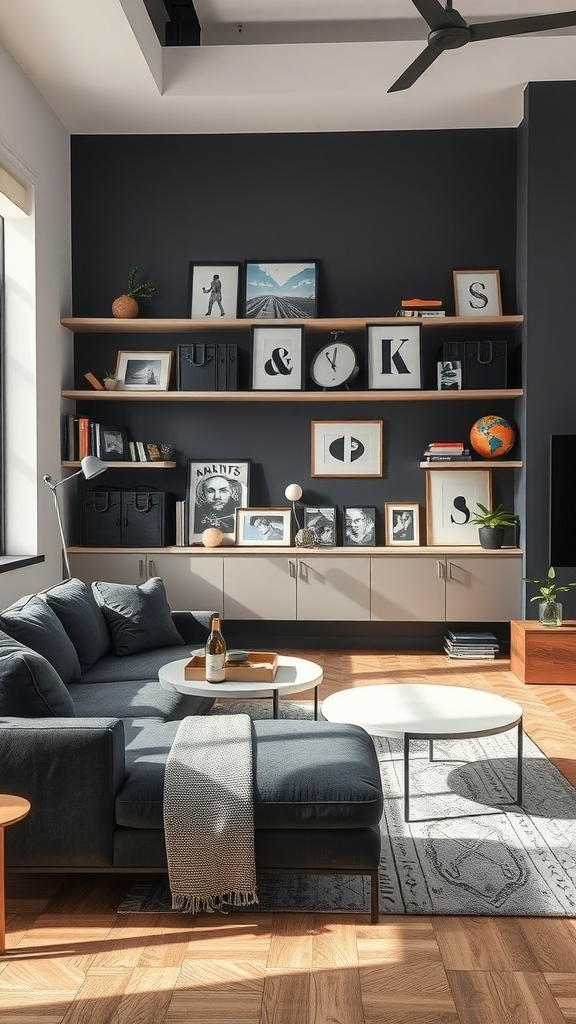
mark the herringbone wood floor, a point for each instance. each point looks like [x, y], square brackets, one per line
[71, 958]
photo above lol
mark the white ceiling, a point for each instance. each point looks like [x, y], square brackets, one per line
[276, 65]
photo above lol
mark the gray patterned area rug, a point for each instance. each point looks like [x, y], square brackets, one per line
[460, 855]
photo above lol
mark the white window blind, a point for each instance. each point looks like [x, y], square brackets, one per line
[15, 191]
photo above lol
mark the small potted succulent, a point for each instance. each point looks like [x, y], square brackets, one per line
[549, 608]
[125, 306]
[492, 525]
[110, 381]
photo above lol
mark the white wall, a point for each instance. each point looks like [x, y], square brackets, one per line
[34, 145]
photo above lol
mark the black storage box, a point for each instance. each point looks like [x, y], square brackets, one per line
[484, 363]
[207, 367]
[128, 519]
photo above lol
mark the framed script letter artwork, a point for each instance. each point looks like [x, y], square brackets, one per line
[277, 358]
[394, 357]
[451, 499]
[213, 290]
[402, 523]
[281, 290]
[477, 293]
[349, 448]
[215, 490]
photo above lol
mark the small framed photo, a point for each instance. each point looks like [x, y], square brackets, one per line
[477, 293]
[143, 371]
[213, 290]
[112, 444]
[451, 499]
[402, 523]
[349, 448]
[394, 357]
[359, 526]
[281, 290]
[449, 375]
[260, 527]
[322, 521]
[216, 488]
[277, 358]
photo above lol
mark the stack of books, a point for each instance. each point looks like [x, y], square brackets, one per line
[447, 451]
[470, 646]
[421, 308]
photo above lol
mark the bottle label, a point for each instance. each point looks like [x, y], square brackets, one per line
[215, 672]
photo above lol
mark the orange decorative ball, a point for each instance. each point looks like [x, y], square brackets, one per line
[212, 537]
[492, 436]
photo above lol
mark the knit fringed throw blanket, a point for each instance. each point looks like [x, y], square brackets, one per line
[209, 814]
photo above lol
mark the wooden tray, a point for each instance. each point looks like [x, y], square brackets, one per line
[260, 666]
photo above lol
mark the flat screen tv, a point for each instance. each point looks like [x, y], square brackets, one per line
[563, 500]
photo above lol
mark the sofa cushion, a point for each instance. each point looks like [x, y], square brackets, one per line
[133, 666]
[29, 686]
[138, 617]
[145, 699]
[35, 625]
[75, 605]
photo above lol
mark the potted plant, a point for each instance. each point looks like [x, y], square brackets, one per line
[549, 608]
[110, 381]
[125, 306]
[492, 524]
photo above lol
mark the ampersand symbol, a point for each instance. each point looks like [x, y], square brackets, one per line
[279, 362]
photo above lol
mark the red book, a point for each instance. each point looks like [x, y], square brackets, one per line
[446, 444]
[83, 437]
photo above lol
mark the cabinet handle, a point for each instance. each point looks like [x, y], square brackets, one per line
[292, 569]
[441, 570]
[152, 567]
[141, 568]
[303, 571]
[450, 574]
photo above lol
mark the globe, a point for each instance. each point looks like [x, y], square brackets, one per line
[492, 436]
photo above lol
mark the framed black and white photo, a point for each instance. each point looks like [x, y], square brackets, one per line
[402, 523]
[213, 290]
[394, 357]
[112, 444]
[277, 358]
[143, 371]
[216, 488]
[359, 526]
[263, 527]
[451, 499]
[349, 448]
[477, 293]
[280, 290]
[322, 521]
[449, 374]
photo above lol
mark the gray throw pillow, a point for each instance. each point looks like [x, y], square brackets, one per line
[74, 604]
[138, 617]
[35, 625]
[29, 686]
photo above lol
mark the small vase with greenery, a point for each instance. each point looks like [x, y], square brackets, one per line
[549, 608]
[110, 381]
[492, 524]
[125, 306]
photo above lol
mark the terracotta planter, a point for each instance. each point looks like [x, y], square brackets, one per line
[125, 307]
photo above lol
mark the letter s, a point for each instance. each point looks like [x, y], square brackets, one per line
[480, 295]
[460, 506]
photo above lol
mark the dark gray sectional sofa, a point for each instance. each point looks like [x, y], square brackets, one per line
[85, 729]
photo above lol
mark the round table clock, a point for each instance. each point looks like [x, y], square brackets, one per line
[334, 365]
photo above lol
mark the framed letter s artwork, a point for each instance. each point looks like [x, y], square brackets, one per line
[477, 293]
[451, 499]
[394, 357]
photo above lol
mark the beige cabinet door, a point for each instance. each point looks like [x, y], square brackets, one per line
[333, 588]
[113, 567]
[259, 587]
[193, 582]
[408, 588]
[483, 589]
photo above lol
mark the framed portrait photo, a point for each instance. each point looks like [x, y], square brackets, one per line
[451, 499]
[394, 357]
[263, 527]
[213, 290]
[112, 444]
[280, 290]
[449, 374]
[216, 488]
[477, 293]
[402, 523]
[277, 358]
[322, 521]
[359, 526]
[349, 448]
[143, 371]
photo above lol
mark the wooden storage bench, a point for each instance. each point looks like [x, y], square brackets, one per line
[543, 654]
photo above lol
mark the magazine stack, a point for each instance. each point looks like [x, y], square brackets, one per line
[470, 646]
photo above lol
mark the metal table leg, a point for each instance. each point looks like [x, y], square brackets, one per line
[315, 703]
[519, 749]
[275, 704]
[406, 777]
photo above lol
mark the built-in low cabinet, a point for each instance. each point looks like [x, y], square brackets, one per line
[191, 581]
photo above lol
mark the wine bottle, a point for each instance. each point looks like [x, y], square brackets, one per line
[215, 653]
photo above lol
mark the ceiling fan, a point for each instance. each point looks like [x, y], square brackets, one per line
[449, 31]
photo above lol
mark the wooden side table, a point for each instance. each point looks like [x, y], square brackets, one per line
[12, 809]
[543, 654]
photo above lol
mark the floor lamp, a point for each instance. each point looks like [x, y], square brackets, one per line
[89, 468]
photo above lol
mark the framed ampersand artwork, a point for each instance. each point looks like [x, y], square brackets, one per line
[277, 363]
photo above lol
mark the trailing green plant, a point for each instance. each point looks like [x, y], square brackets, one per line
[548, 590]
[493, 518]
[139, 291]
[110, 375]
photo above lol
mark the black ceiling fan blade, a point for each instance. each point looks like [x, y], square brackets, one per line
[417, 68]
[521, 26]
[437, 16]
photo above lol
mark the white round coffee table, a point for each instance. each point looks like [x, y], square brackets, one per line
[292, 676]
[416, 711]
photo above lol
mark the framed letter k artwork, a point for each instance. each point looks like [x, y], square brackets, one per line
[394, 357]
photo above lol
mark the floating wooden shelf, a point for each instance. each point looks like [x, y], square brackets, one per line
[474, 464]
[291, 396]
[126, 465]
[157, 325]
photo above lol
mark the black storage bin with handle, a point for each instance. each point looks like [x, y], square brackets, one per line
[148, 519]
[100, 518]
[484, 363]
